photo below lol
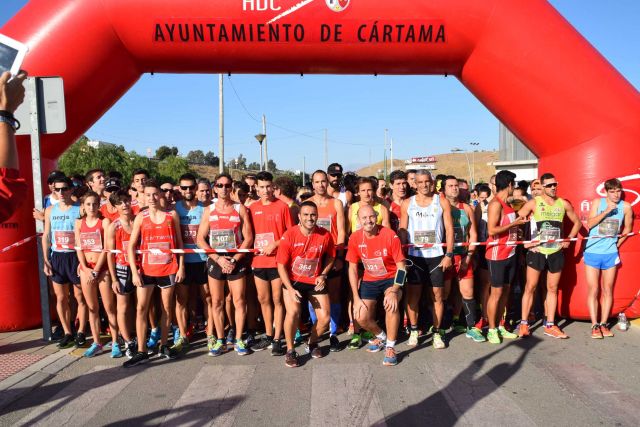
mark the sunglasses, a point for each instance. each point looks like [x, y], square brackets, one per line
[60, 189]
[551, 185]
[335, 175]
[166, 190]
[224, 185]
[187, 187]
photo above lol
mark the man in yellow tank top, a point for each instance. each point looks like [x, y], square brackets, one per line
[548, 213]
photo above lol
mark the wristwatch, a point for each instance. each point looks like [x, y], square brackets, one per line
[94, 274]
[449, 254]
[232, 260]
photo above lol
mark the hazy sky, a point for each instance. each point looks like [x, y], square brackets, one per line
[424, 114]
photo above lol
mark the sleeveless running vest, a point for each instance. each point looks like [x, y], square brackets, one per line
[189, 223]
[355, 224]
[327, 219]
[91, 238]
[158, 236]
[425, 226]
[122, 243]
[502, 251]
[608, 227]
[62, 225]
[461, 224]
[548, 220]
[225, 229]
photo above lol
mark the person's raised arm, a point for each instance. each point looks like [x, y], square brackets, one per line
[11, 96]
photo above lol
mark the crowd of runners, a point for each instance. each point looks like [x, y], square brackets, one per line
[284, 267]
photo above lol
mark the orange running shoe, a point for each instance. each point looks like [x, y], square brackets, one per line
[596, 333]
[555, 332]
[523, 330]
[606, 332]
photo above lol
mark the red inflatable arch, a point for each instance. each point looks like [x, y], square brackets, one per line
[520, 58]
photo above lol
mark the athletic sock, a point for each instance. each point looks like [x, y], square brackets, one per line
[413, 328]
[335, 311]
[469, 307]
[382, 336]
[524, 322]
[312, 314]
[391, 344]
[548, 324]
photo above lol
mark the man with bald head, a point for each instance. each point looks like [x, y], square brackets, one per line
[380, 251]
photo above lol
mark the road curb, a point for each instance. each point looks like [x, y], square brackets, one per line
[20, 383]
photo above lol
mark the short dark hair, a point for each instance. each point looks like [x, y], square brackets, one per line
[187, 177]
[88, 194]
[446, 178]
[151, 183]
[397, 174]
[64, 179]
[286, 186]
[241, 185]
[320, 171]
[55, 174]
[612, 184]
[115, 174]
[264, 176]
[546, 176]
[504, 178]
[118, 197]
[204, 181]
[308, 203]
[483, 188]
[140, 172]
[411, 171]
[89, 175]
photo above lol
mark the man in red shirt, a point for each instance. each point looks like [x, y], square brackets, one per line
[270, 218]
[305, 257]
[380, 251]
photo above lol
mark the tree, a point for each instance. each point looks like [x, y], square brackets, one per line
[255, 166]
[197, 157]
[239, 163]
[271, 166]
[163, 152]
[211, 159]
[172, 167]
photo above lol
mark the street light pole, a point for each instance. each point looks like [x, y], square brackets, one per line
[260, 137]
[473, 162]
[466, 155]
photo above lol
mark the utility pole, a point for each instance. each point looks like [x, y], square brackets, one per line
[221, 125]
[386, 134]
[391, 155]
[264, 132]
[326, 151]
[304, 168]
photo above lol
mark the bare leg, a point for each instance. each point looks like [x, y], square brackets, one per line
[62, 305]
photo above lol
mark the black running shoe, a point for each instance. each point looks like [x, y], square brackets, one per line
[261, 344]
[277, 349]
[334, 343]
[81, 339]
[66, 341]
[167, 352]
[291, 359]
[138, 358]
[57, 334]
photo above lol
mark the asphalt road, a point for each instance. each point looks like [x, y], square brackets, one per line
[536, 381]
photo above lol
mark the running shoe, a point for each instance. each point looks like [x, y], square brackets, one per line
[131, 349]
[475, 334]
[523, 330]
[277, 349]
[167, 352]
[81, 339]
[555, 332]
[115, 351]
[231, 337]
[182, 343]
[413, 339]
[291, 359]
[504, 333]
[261, 344]
[66, 341]
[458, 327]
[137, 358]
[596, 332]
[154, 339]
[218, 348]
[334, 344]
[250, 340]
[367, 336]
[606, 332]
[298, 338]
[351, 329]
[438, 339]
[191, 331]
[375, 345]
[355, 343]
[94, 350]
[482, 324]
[390, 358]
[211, 341]
[176, 332]
[57, 334]
[241, 348]
[493, 337]
[315, 351]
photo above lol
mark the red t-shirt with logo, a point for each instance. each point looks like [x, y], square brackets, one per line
[378, 254]
[269, 224]
[303, 255]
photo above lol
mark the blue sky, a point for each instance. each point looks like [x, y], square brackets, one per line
[423, 113]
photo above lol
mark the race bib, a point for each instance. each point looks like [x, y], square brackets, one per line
[222, 239]
[324, 223]
[91, 241]
[550, 233]
[263, 240]
[304, 267]
[609, 227]
[374, 266]
[64, 238]
[159, 259]
[423, 237]
[459, 236]
[189, 233]
[514, 234]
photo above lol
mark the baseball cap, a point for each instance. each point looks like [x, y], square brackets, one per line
[112, 184]
[334, 169]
